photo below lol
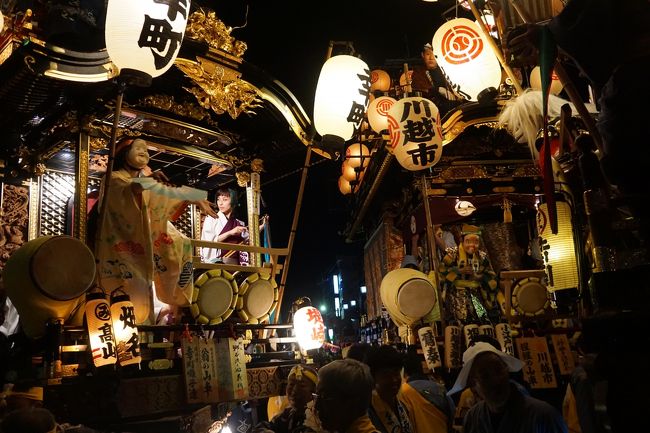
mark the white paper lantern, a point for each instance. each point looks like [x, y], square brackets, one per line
[344, 185]
[379, 80]
[357, 155]
[466, 57]
[558, 250]
[100, 329]
[145, 35]
[536, 81]
[415, 133]
[341, 97]
[309, 328]
[125, 329]
[378, 112]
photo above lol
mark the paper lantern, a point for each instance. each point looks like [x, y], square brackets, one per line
[470, 331]
[379, 80]
[341, 97]
[558, 250]
[453, 348]
[125, 330]
[466, 58]
[406, 79]
[309, 328]
[344, 186]
[504, 337]
[429, 347]
[378, 112]
[100, 329]
[357, 155]
[143, 37]
[536, 81]
[349, 173]
[415, 133]
[464, 208]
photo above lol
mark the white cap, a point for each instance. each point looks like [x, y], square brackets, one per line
[513, 363]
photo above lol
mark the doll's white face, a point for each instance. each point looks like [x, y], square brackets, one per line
[138, 156]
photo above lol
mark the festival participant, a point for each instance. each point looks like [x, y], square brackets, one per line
[225, 228]
[502, 407]
[343, 396]
[136, 243]
[470, 282]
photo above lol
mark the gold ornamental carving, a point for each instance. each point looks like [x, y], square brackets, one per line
[185, 109]
[206, 27]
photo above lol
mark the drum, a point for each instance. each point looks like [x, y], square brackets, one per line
[529, 296]
[258, 297]
[215, 297]
[46, 278]
[407, 294]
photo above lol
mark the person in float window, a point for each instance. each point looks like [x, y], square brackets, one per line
[225, 228]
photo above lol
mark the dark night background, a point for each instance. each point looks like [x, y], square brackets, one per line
[289, 40]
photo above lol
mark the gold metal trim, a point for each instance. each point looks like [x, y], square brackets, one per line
[82, 158]
[34, 205]
[206, 27]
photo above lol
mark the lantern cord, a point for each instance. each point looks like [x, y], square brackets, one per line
[245, 19]
[109, 171]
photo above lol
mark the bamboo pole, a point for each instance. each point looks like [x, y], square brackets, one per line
[497, 50]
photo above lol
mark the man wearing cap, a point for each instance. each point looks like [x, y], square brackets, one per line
[301, 385]
[429, 80]
[502, 406]
[470, 282]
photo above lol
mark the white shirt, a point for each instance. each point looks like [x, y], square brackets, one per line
[212, 227]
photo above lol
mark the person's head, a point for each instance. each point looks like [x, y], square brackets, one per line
[29, 420]
[471, 242]
[301, 384]
[385, 364]
[428, 57]
[226, 200]
[131, 154]
[24, 396]
[357, 351]
[413, 364]
[486, 371]
[486, 339]
[343, 393]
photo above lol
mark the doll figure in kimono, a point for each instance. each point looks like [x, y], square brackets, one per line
[137, 247]
[469, 282]
[224, 227]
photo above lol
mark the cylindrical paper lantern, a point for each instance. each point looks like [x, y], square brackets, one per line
[453, 350]
[378, 112]
[309, 328]
[341, 96]
[145, 36]
[466, 58]
[429, 347]
[504, 338]
[379, 80]
[558, 250]
[486, 330]
[357, 155]
[536, 81]
[100, 329]
[470, 331]
[125, 329]
[415, 132]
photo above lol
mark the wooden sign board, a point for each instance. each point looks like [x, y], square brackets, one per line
[538, 368]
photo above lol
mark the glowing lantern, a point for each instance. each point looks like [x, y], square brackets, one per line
[344, 186]
[461, 52]
[357, 155]
[378, 112]
[379, 80]
[348, 172]
[309, 328]
[124, 328]
[464, 208]
[406, 79]
[415, 133]
[100, 329]
[558, 250]
[143, 37]
[536, 81]
[341, 100]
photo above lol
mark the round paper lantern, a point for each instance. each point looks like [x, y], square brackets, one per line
[348, 172]
[379, 80]
[341, 97]
[357, 155]
[405, 79]
[344, 186]
[309, 328]
[464, 208]
[415, 133]
[377, 112]
[536, 81]
[466, 57]
[143, 37]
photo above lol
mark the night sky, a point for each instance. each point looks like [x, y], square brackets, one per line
[289, 40]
